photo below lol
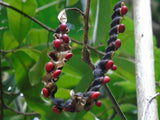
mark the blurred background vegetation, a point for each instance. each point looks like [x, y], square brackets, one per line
[23, 45]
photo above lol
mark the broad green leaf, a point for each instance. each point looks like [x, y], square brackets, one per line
[89, 116]
[18, 24]
[103, 17]
[9, 41]
[157, 63]
[37, 36]
[36, 72]
[71, 2]
[60, 93]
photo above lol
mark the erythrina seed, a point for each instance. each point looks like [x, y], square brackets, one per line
[55, 109]
[65, 38]
[95, 95]
[121, 28]
[45, 92]
[68, 56]
[63, 27]
[118, 43]
[57, 43]
[106, 79]
[124, 10]
[49, 66]
[98, 103]
[56, 73]
[114, 67]
[109, 64]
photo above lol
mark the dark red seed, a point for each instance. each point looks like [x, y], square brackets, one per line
[63, 27]
[65, 38]
[45, 92]
[66, 109]
[68, 56]
[56, 73]
[95, 95]
[49, 66]
[118, 43]
[109, 64]
[124, 10]
[106, 79]
[121, 28]
[55, 109]
[114, 67]
[57, 43]
[98, 103]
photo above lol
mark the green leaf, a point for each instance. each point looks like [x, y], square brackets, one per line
[71, 2]
[157, 63]
[9, 41]
[60, 93]
[103, 18]
[89, 116]
[36, 72]
[18, 24]
[37, 36]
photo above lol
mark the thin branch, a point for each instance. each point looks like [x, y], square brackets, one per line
[77, 10]
[113, 116]
[90, 47]
[21, 113]
[31, 18]
[85, 53]
[1, 92]
[10, 93]
[147, 105]
[114, 102]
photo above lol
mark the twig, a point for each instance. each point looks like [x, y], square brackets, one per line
[1, 92]
[113, 116]
[10, 93]
[31, 18]
[90, 47]
[77, 10]
[114, 102]
[21, 113]
[148, 103]
[85, 53]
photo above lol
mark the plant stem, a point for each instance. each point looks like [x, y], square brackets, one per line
[31, 18]
[114, 102]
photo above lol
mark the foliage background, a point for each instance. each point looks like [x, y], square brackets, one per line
[23, 66]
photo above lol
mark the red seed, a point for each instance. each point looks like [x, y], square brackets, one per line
[114, 67]
[121, 28]
[49, 66]
[106, 79]
[63, 27]
[98, 103]
[57, 43]
[68, 56]
[124, 10]
[109, 64]
[65, 38]
[118, 43]
[55, 109]
[56, 73]
[45, 92]
[95, 95]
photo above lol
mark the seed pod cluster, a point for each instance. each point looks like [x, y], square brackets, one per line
[62, 53]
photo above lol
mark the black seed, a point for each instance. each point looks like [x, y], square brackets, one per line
[118, 5]
[57, 101]
[98, 73]
[111, 47]
[116, 21]
[96, 88]
[112, 38]
[108, 55]
[113, 30]
[116, 13]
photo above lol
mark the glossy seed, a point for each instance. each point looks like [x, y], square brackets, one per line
[56, 73]
[124, 10]
[49, 66]
[57, 43]
[114, 67]
[118, 43]
[63, 27]
[95, 95]
[109, 64]
[106, 79]
[65, 38]
[45, 92]
[121, 28]
[98, 103]
[55, 109]
[68, 56]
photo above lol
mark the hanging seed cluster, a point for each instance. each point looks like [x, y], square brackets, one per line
[62, 53]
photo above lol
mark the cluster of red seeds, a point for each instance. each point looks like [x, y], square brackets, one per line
[82, 101]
